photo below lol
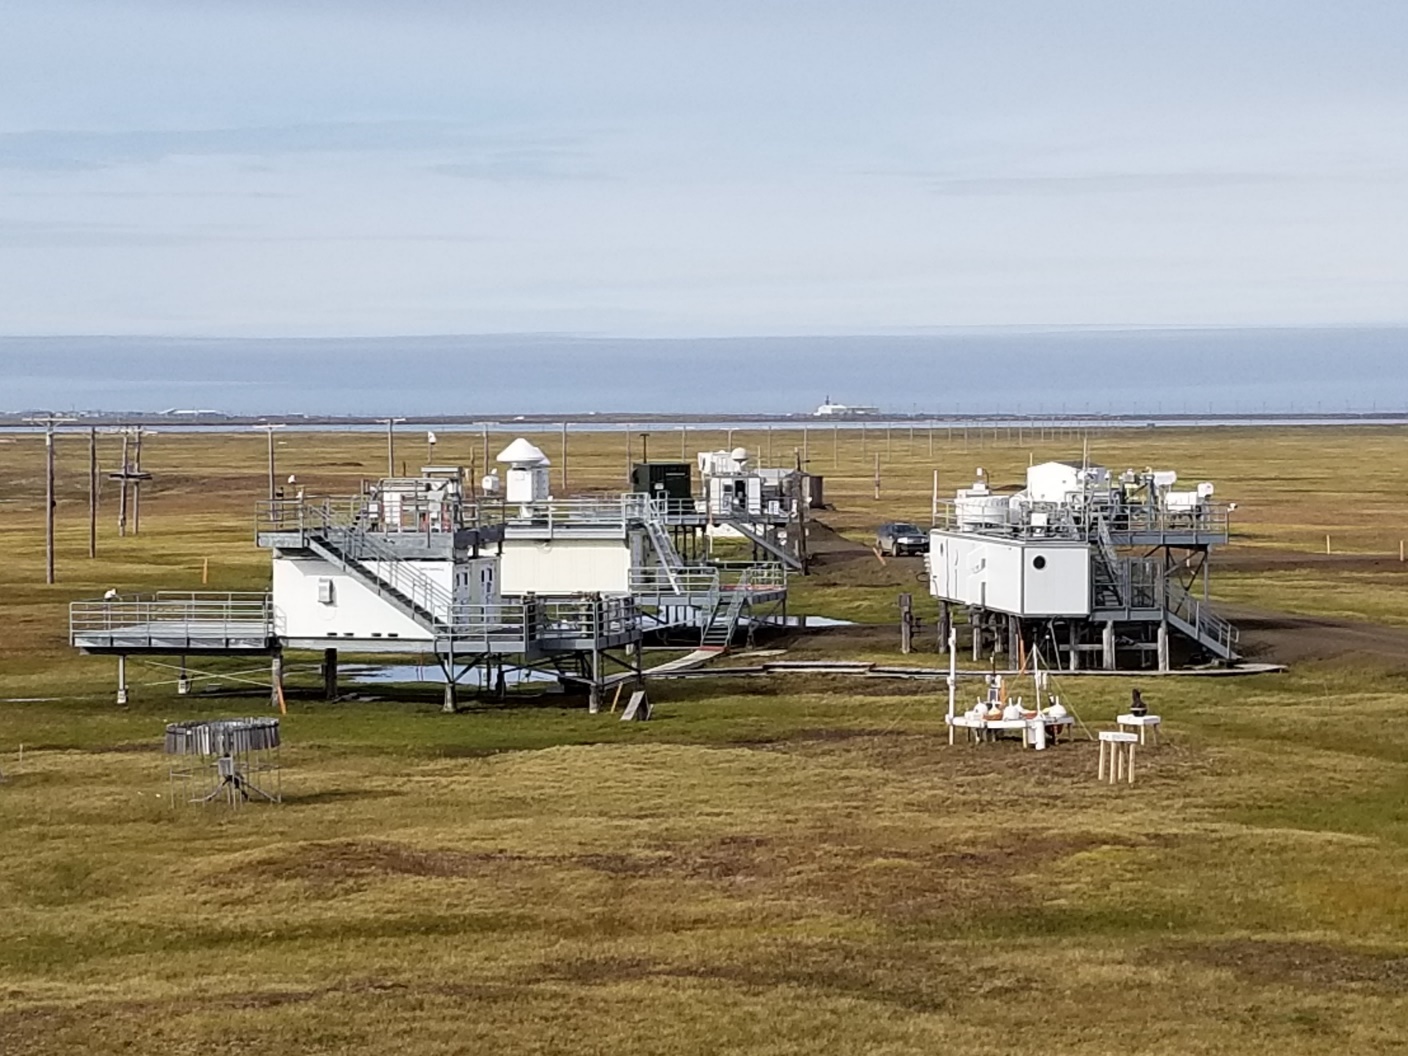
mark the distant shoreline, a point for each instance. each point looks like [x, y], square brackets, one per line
[21, 421]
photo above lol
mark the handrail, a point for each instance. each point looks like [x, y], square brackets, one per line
[654, 579]
[1075, 521]
[342, 524]
[195, 617]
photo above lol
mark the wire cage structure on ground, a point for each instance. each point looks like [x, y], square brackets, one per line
[225, 760]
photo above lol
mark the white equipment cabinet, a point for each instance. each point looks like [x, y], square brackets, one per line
[1020, 577]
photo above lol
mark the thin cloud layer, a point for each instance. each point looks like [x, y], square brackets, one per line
[227, 168]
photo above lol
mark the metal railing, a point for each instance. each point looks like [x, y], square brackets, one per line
[1209, 627]
[1077, 521]
[544, 621]
[386, 568]
[755, 578]
[196, 617]
[342, 526]
[653, 579]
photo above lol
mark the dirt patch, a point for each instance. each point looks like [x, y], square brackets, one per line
[1281, 638]
[1260, 560]
[865, 973]
[1304, 964]
[346, 862]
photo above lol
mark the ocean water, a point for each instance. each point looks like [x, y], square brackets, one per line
[1143, 371]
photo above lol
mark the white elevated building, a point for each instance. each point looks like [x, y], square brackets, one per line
[410, 566]
[1079, 561]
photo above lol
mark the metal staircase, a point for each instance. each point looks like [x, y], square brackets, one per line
[670, 561]
[398, 581]
[724, 617]
[777, 550]
[395, 580]
[1196, 620]
[1107, 571]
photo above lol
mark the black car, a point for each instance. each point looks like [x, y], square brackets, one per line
[900, 537]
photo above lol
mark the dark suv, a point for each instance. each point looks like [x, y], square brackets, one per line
[899, 538]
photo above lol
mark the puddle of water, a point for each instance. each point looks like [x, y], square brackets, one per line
[812, 621]
[383, 674]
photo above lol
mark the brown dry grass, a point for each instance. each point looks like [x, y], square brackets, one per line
[774, 867]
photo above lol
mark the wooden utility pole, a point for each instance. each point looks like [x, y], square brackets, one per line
[137, 482]
[906, 623]
[802, 500]
[92, 492]
[877, 475]
[564, 459]
[49, 500]
[269, 428]
[49, 421]
[122, 504]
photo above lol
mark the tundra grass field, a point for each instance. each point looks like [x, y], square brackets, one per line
[767, 866]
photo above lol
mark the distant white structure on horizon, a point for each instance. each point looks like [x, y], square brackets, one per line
[841, 410]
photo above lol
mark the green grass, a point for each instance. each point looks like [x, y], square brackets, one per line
[770, 866]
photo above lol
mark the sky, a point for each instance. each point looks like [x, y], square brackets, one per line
[298, 168]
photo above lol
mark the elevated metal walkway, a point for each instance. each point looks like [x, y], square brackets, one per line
[172, 622]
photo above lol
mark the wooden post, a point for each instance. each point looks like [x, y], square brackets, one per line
[330, 674]
[49, 501]
[906, 623]
[835, 447]
[594, 693]
[1327, 542]
[276, 681]
[934, 502]
[273, 490]
[391, 447]
[806, 457]
[92, 492]
[137, 483]
[945, 626]
[205, 570]
[877, 476]
[122, 678]
[122, 501]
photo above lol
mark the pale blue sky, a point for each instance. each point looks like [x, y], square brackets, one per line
[309, 167]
